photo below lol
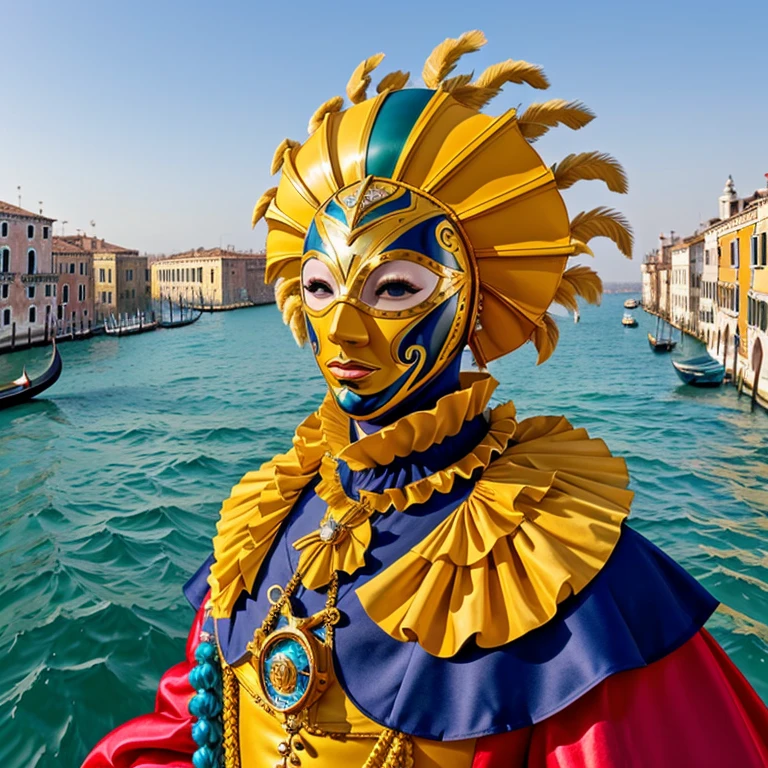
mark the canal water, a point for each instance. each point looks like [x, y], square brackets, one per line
[110, 488]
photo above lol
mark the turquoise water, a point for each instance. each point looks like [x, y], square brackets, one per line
[110, 488]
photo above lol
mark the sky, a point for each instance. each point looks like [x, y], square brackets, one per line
[158, 120]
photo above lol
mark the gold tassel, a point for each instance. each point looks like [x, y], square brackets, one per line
[598, 166]
[277, 158]
[579, 281]
[361, 78]
[230, 715]
[326, 108]
[539, 118]
[392, 750]
[603, 222]
[545, 338]
[394, 81]
[443, 59]
[261, 205]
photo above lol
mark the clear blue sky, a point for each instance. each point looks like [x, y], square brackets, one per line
[159, 120]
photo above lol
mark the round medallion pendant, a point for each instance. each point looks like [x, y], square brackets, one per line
[287, 670]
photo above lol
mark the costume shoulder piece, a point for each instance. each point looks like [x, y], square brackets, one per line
[538, 525]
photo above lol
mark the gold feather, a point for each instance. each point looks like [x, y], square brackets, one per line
[579, 281]
[474, 97]
[261, 206]
[452, 83]
[511, 71]
[539, 118]
[604, 222]
[545, 338]
[589, 166]
[288, 299]
[444, 57]
[329, 107]
[277, 158]
[361, 78]
[394, 81]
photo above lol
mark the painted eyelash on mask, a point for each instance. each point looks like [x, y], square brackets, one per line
[410, 287]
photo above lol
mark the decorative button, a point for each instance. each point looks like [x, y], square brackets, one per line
[328, 530]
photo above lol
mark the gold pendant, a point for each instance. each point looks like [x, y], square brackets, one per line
[293, 662]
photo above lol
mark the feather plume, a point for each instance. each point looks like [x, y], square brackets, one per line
[443, 59]
[545, 337]
[474, 97]
[277, 158]
[588, 166]
[288, 299]
[394, 81]
[579, 281]
[361, 78]
[511, 71]
[604, 222]
[261, 205]
[329, 107]
[452, 83]
[539, 118]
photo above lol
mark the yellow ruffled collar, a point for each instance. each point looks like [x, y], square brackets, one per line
[252, 516]
[538, 525]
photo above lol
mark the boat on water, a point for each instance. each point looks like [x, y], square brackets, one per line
[629, 321]
[181, 322]
[129, 326]
[186, 315]
[661, 345]
[22, 389]
[701, 371]
[576, 316]
[631, 304]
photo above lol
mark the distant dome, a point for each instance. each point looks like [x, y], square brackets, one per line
[729, 188]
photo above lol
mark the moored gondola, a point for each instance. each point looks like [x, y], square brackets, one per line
[181, 322]
[661, 345]
[22, 389]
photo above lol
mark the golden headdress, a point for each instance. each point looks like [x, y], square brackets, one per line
[482, 170]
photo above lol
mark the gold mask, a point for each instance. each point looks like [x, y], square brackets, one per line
[387, 289]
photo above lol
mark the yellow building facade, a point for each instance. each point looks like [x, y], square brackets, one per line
[211, 279]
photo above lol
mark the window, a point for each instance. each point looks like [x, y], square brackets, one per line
[31, 261]
[103, 297]
[30, 291]
[72, 268]
[211, 275]
[109, 272]
[4, 229]
[82, 264]
[54, 290]
[199, 274]
[763, 249]
[65, 294]
[753, 258]
[147, 275]
[4, 291]
[81, 292]
[5, 260]
[735, 252]
[129, 275]
[48, 290]
[45, 233]
[6, 317]
[33, 314]
[30, 231]
[109, 297]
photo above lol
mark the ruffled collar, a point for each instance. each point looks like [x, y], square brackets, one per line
[252, 516]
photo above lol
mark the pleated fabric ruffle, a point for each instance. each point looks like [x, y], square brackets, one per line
[538, 526]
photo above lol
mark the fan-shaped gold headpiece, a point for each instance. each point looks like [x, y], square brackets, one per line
[482, 170]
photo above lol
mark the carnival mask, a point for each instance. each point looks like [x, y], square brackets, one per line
[387, 292]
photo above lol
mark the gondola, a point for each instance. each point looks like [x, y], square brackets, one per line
[24, 388]
[702, 371]
[661, 345]
[180, 323]
[129, 329]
